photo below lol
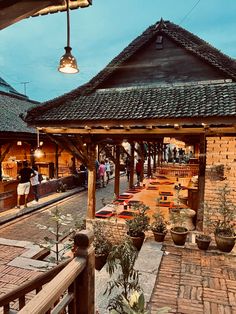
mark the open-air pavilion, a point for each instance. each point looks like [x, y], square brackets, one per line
[166, 83]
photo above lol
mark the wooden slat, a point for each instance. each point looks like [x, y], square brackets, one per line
[31, 285]
[63, 303]
[43, 301]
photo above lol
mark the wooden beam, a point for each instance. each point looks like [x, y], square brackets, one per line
[117, 172]
[201, 182]
[131, 179]
[91, 203]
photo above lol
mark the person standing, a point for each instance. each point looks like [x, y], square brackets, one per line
[23, 187]
[128, 168]
[35, 184]
[108, 169]
[139, 170]
[101, 173]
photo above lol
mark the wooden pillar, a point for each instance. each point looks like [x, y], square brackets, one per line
[56, 161]
[149, 170]
[159, 153]
[154, 156]
[131, 179]
[201, 181]
[0, 163]
[85, 284]
[91, 207]
[117, 172]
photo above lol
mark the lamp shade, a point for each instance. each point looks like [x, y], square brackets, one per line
[38, 153]
[68, 64]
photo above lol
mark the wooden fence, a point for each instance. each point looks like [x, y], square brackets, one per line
[68, 287]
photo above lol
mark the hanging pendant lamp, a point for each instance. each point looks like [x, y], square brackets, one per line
[38, 153]
[68, 64]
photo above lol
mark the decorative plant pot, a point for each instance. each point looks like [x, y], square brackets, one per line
[159, 237]
[203, 242]
[179, 235]
[100, 261]
[224, 243]
[137, 241]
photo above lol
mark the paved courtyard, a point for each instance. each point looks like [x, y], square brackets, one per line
[188, 281]
[194, 281]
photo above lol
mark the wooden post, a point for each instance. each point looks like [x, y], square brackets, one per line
[149, 170]
[91, 181]
[201, 181]
[154, 157]
[131, 178]
[56, 161]
[85, 283]
[0, 163]
[117, 172]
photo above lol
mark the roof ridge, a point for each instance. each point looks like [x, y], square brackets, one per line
[19, 97]
[183, 37]
[180, 84]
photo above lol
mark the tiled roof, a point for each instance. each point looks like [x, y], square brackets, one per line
[187, 40]
[153, 102]
[11, 107]
[7, 88]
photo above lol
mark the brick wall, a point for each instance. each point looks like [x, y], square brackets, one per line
[220, 168]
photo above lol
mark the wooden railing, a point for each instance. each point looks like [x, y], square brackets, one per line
[71, 289]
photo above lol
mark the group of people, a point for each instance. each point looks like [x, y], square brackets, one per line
[103, 170]
[27, 177]
[138, 169]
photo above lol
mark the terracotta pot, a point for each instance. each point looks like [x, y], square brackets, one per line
[179, 235]
[137, 241]
[159, 237]
[224, 243]
[100, 261]
[203, 243]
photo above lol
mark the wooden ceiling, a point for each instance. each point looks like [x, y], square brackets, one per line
[12, 11]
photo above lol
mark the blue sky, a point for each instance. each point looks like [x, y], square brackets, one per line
[30, 49]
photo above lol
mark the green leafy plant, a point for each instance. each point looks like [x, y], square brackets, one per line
[208, 226]
[140, 223]
[101, 243]
[136, 305]
[120, 262]
[225, 213]
[120, 266]
[56, 242]
[159, 224]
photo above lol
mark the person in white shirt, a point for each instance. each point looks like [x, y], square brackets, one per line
[108, 169]
[35, 184]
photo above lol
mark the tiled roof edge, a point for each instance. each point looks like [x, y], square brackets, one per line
[126, 53]
[19, 97]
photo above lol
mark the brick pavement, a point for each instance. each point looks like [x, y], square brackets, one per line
[189, 280]
[194, 281]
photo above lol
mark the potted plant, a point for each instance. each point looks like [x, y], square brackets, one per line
[102, 245]
[158, 226]
[225, 224]
[126, 294]
[203, 239]
[178, 231]
[138, 225]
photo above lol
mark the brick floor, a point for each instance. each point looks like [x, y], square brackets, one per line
[194, 281]
[189, 280]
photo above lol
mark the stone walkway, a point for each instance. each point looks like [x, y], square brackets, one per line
[194, 281]
[189, 280]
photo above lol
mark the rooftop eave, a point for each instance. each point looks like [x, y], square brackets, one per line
[15, 10]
